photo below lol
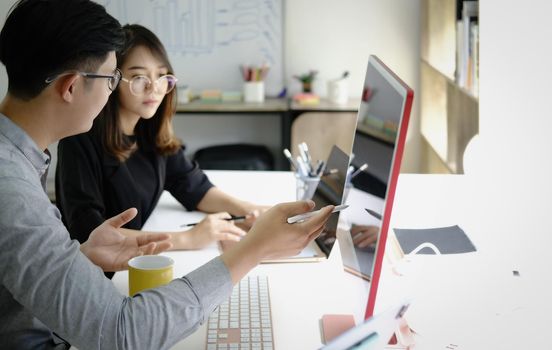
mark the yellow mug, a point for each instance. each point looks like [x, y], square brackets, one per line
[149, 271]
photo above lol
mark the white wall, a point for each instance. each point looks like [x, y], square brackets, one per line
[516, 122]
[515, 173]
[330, 36]
[333, 36]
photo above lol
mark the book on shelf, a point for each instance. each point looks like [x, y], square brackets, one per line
[306, 99]
[232, 96]
[474, 50]
[467, 51]
[210, 96]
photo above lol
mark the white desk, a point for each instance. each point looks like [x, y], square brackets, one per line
[300, 293]
[470, 300]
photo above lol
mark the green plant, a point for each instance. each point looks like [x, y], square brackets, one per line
[306, 80]
[307, 77]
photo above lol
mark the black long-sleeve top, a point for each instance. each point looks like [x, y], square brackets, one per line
[92, 185]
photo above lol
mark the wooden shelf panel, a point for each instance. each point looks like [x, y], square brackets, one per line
[433, 110]
[463, 124]
[451, 81]
[449, 117]
[269, 105]
[438, 44]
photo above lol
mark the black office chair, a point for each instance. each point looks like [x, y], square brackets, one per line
[235, 157]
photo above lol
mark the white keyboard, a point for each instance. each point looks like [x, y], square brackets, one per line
[245, 320]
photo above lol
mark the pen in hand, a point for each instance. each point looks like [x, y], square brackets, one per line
[301, 217]
[232, 218]
[373, 213]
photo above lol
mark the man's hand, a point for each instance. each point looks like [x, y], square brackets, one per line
[110, 250]
[273, 237]
[252, 212]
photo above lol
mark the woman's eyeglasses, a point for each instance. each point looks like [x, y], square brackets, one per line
[112, 79]
[140, 84]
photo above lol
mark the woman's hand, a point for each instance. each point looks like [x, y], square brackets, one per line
[212, 228]
[251, 212]
[364, 235]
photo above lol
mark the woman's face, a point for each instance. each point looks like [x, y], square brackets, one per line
[140, 62]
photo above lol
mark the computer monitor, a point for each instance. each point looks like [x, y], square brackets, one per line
[379, 142]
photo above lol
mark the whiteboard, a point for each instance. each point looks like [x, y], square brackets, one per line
[208, 40]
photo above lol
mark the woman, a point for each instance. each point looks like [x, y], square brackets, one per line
[131, 155]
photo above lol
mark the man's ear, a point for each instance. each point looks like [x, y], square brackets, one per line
[67, 86]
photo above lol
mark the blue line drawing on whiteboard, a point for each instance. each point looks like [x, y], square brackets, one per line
[190, 26]
[246, 5]
[208, 39]
[247, 18]
[269, 24]
[268, 4]
[245, 35]
[186, 29]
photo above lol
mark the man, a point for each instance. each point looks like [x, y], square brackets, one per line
[60, 60]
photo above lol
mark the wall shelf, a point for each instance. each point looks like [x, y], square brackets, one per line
[449, 112]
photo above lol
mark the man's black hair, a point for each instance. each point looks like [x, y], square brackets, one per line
[43, 38]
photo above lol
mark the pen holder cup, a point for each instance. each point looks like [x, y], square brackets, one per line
[305, 187]
[183, 94]
[253, 91]
[338, 91]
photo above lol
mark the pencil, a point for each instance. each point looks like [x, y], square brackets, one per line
[233, 218]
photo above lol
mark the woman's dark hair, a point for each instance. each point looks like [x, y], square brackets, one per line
[43, 38]
[156, 133]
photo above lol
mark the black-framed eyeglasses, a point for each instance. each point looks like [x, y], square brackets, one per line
[140, 84]
[112, 79]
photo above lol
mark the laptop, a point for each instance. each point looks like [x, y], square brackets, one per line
[329, 191]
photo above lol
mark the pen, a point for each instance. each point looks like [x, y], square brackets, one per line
[307, 154]
[232, 218]
[373, 213]
[243, 71]
[304, 156]
[350, 170]
[330, 172]
[345, 75]
[264, 70]
[302, 217]
[359, 170]
[287, 153]
[302, 167]
[319, 168]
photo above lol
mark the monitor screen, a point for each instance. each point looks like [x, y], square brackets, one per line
[329, 191]
[377, 151]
